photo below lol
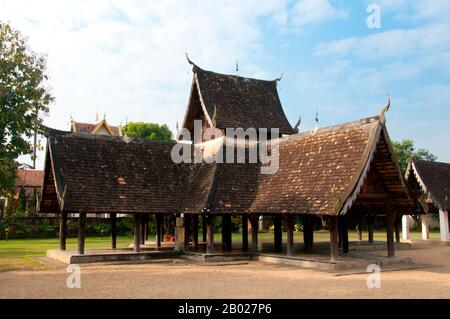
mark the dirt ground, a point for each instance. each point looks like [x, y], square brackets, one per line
[182, 279]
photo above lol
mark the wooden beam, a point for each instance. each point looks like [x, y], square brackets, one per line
[290, 234]
[278, 233]
[210, 233]
[244, 232]
[226, 232]
[81, 232]
[334, 237]
[62, 230]
[374, 196]
[390, 221]
[195, 230]
[113, 217]
[137, 232]
[254, 222]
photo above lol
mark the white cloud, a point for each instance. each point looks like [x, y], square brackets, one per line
[313, 11]
[126, 58]
[398, 42]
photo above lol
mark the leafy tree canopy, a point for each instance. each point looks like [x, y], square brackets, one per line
[149, 131]
[406, 151]
[23, 96]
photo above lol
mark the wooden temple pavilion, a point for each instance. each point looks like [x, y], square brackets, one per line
[430, 183]
[335, 175]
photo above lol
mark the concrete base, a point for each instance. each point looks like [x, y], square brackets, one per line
[118, 255]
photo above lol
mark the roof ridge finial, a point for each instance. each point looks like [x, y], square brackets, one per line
[237, 67]
[385, 109]
[189, 61]
[297, 125]
[317, 119]
[279, 78]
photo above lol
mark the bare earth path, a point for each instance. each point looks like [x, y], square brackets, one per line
[252, 280]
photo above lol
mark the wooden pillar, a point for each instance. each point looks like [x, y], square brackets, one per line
[390, 224]
[187, 231]
[195, 230]
[142, 228]
[81, 232]
[146, 227]
[226, 232]
[210, 233]
[306, 235]
[62, 231]
[345, 244]
[340, 233]
[443, 225]
[290, 234]
[370, 222]
[254, 222]
[137, 232]
[204, 230]
[359, 228]
[425, 226]
[159, 222]
[113, 217]
[333, 227]
[244, 232]
[278, 233]
[397, 226]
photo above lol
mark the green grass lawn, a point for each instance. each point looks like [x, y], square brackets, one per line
[17, 254]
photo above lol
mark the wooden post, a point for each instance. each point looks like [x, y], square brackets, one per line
[397, 226]
[333, 226]
[370, 222]
[195, 230]
[210, 233]
[137, 232]
[359, 228]
[278, 233]
[142, 224]
[244, 232]
[226, 232]
[187, 231]
[204, 230]
[390, 223]
[159, 220]
[62, 230]
[113, 217]
[345, 245]
[290, 234]
[81, 232]
[306, 235]
[146, 227]
[254, 222]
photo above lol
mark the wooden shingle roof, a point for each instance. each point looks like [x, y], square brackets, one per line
[434, 180]
[323, 172]
[231, 101]
[95, 173]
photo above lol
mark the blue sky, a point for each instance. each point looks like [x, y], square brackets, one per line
[126, 58]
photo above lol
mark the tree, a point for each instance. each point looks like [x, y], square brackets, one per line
[406, 151]
[22, 202]
[23, 97]
[148, 131]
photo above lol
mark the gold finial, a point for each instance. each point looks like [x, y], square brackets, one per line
[96, 116]
[385, 109]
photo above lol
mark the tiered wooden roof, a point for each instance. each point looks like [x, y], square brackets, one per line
[29, 180]
[230, 101]
[78, 127]
[330, 171]
[432, 179]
